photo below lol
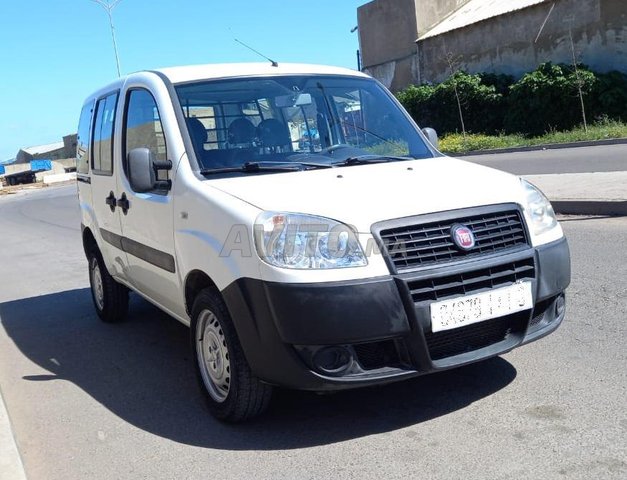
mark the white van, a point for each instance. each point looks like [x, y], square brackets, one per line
[308, 232]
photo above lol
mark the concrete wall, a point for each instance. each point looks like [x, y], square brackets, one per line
[505, 44]
[58, 167]
[69, 145]
[388, 30]
[387, 40]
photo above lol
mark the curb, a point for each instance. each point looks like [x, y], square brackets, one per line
[11, 465]
[546, 146]
[605, 208]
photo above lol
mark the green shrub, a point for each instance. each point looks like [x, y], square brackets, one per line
[437, 107]
[418, 101]
[548, 99]
[544, 100]
[609, 97]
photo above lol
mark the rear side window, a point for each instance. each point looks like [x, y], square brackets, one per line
[102, 144]
[82, 143]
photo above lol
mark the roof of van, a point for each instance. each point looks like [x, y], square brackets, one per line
[228, 70]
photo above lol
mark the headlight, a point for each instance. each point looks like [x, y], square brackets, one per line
[539, 210]
[291, 240]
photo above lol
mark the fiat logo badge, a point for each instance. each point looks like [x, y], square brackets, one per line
[463, 237]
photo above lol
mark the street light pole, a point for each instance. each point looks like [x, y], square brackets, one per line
[108, 7]
[353, 30]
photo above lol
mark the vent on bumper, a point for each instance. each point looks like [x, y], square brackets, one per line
[471, 281]
[417, 245]
[473, 337]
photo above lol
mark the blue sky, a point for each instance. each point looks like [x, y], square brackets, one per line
[54, 53]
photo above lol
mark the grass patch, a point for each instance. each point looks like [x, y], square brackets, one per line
[456, 143]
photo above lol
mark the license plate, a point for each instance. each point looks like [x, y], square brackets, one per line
[469, 309]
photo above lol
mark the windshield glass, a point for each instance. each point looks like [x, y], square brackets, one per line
[296, 119]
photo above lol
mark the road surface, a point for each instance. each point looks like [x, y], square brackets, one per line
[95, 401]
[604, 158]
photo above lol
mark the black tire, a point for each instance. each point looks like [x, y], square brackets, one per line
[237, 395]
[110, 297]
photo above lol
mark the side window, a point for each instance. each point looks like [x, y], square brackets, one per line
[82, 143]
[143, 128]
[102, 139]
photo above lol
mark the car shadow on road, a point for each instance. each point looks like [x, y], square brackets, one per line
[142, 371]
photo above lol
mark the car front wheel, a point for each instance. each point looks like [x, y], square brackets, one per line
[232, 391]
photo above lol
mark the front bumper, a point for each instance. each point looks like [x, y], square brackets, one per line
[384, 324]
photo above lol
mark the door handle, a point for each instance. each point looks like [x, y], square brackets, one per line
[123, 203]
[111, 201]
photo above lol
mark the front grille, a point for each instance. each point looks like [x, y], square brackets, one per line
[473, 337]
[412, 246]
[471, 281]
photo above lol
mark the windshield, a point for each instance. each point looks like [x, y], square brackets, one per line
[308, 120]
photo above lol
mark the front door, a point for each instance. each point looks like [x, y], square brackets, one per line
[147, 223]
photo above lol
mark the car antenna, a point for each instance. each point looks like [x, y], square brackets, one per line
[274, 64]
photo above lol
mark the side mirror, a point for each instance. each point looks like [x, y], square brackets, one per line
[141, 172]
[432, 136]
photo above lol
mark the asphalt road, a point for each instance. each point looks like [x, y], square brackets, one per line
[89, 400]
[608, 158]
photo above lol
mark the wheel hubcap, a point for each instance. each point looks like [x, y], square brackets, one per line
[96, 284]
[213, 356]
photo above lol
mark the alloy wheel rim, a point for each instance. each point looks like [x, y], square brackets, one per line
[213, 356]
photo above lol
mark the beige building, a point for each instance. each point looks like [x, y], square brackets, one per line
[52, 151]
[420, 41]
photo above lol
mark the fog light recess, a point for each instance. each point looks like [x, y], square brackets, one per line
[333, 360]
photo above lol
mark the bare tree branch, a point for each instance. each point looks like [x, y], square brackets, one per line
[453, 69]
[579, 80]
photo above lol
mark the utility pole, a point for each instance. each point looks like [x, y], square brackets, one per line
[108, 6]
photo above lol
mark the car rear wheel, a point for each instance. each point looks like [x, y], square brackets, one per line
[232, 391]
[110, 297]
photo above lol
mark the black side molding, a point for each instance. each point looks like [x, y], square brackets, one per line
[148, 254]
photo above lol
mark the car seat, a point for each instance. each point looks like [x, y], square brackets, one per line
[241, 131]
[273, 134]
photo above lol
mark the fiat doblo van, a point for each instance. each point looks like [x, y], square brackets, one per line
[307, 231]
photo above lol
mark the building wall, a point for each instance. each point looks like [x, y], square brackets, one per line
[387, 40]
[388, 30]
[505, 44]
[69, 145]
[25, 157]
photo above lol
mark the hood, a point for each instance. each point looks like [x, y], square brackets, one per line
[366, 194]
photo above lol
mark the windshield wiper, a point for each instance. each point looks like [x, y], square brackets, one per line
[254, 167]
[367, 159]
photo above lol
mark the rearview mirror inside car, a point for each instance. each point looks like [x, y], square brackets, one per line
[296, 100]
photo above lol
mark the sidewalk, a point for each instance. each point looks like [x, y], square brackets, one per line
[602, 193]
[11, 467]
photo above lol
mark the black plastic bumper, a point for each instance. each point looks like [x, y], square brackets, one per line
[281, 326]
